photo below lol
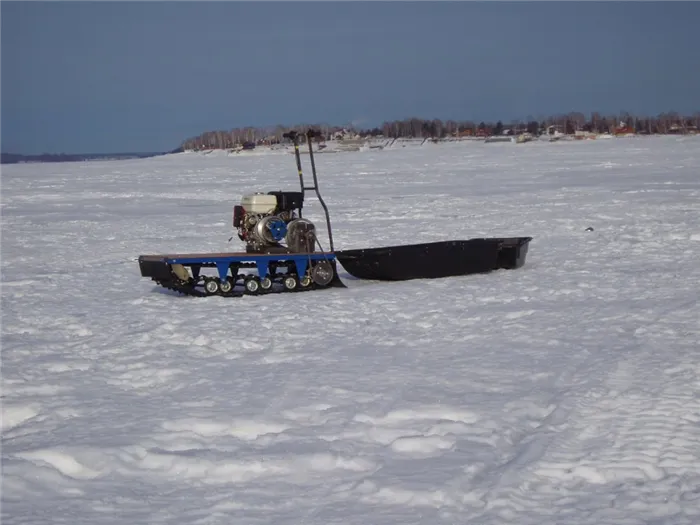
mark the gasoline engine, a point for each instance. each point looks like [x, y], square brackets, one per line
[272, 223]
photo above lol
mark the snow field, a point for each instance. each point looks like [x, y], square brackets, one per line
[567, 391]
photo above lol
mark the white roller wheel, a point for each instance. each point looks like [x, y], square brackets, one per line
[265, 283]
[226, 286]
[305, 281]
[290, 283]
[211, 286]
[252, 285]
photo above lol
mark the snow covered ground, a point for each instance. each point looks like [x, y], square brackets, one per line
[564, 392]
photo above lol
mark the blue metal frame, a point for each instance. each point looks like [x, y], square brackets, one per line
[261, 261]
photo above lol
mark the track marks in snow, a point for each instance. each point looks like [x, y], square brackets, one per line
[629, 429]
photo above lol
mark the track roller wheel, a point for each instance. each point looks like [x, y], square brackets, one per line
[252, 285]
[226, 285]
[265, 283]
[322, 273]
[290, 283]
[305, 281]
[211, 285]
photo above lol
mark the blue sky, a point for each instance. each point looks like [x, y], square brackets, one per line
[103, 77]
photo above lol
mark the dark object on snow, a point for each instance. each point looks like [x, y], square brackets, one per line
[589, 229]
[436, 259]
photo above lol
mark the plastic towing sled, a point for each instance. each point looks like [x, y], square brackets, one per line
[436, 259]
[281, 252]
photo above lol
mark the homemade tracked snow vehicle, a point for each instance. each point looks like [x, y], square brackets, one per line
[281, 248]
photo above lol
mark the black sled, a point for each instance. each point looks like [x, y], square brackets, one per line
[435, 260]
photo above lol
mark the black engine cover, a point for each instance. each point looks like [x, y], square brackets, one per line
[288, 200]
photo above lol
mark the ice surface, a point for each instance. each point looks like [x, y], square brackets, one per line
[564, 392]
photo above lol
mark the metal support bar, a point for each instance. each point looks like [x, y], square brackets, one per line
[294, 137]
[309, 135]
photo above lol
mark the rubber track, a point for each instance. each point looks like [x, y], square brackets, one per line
[192, 291]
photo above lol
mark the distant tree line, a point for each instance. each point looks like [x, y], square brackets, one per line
[250, 135]
[665, 123]
[568, 124]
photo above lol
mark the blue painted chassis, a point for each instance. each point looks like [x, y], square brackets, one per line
[223, 262]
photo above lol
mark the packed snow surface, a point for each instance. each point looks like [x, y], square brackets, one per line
[564, 392]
